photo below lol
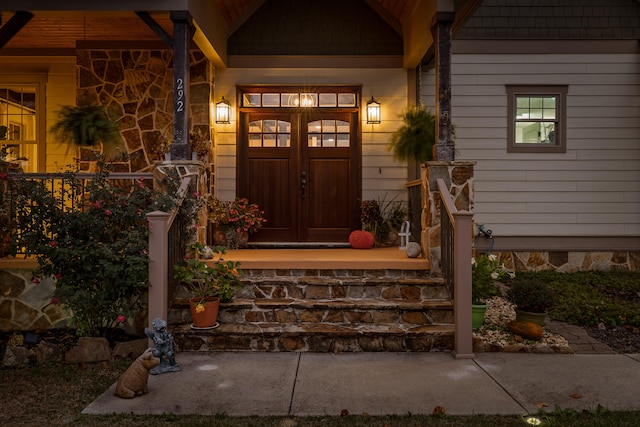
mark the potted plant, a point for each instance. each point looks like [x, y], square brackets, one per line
[414, 140]
[532, 300]
[485, 272]
[383, 219]
[234, 221]
[85, 125]
[209, 285]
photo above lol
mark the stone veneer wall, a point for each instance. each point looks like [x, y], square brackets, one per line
[459, 178]
[136, 86]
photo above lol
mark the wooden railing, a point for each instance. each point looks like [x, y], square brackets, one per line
[455, 257]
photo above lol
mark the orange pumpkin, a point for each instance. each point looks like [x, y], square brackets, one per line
[360, 239]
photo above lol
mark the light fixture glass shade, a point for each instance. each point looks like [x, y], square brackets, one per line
[222, 111]
[373, 111]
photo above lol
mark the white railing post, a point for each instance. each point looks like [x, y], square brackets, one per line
[158, 268]
[463, 346]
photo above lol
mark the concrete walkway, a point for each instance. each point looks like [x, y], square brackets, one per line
[301, 384]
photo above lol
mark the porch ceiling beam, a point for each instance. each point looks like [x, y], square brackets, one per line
[417, 30]
[156, 28]
[13, 26]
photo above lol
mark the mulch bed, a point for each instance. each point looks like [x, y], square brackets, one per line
[623, 339]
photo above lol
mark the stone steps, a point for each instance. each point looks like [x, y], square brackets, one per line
[355, 311]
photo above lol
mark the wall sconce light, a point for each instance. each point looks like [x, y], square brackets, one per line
[373, 111]
[222, 111]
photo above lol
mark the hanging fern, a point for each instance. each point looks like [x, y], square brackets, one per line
[414, 140]
[85, 125]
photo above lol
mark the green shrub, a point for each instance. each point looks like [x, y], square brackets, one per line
[590, 297]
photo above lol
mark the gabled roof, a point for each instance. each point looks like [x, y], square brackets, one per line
[58, 26]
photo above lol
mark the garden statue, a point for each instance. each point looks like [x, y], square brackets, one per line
[133, 381]
[162, 347]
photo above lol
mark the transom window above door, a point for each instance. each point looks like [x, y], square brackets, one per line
[299, 99]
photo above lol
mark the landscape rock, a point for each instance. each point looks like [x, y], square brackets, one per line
[130, 349]
[89, 349]
[17, 357]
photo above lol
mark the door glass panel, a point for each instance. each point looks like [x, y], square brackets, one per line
[342, 126]
[255, 140]
[290, 100]
[346, 100]
[271, 100]
[328, 100]
[308, 99]
[269, 140]
[328, 126]
[251, 99]
[328, 133]
[284, 127]
[342, 140]
[255, 126]
[328, 140]
[269, 126]
[269, 133]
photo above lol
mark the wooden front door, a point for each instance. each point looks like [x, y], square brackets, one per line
[303, 168]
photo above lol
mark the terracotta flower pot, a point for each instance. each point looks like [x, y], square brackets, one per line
[208, 317]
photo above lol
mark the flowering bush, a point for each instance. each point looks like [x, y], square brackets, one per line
[222, 280]
[92, 237]
[238, 215]
[485, 271]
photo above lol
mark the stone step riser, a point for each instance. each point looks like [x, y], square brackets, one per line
[320, 343]
[338, 316]
[338, 289]
[303, 311]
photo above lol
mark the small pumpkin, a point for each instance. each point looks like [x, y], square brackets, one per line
[527, 330]
[360, 239]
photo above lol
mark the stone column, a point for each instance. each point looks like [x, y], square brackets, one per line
[459, 179]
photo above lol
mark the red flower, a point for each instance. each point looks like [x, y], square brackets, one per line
[35, 280]
[53, 243]
[97, 204]
[58, 276]
[122, 318]
[108, 212]
[55, 301]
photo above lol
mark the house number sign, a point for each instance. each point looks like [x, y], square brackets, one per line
[179, 95]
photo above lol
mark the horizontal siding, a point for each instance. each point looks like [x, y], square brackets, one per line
[593, 188]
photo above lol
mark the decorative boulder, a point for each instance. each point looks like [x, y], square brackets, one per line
[527, 330]
[360, 239]
[413, 250]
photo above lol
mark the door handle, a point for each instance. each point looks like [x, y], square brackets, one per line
[303, 183]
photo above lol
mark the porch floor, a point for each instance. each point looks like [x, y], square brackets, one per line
[326, 259]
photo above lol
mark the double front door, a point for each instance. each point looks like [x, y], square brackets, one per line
[303, 169]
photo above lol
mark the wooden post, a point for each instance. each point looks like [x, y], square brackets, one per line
[182, 33]
[444, 150]
[463, 346]
[158, 265]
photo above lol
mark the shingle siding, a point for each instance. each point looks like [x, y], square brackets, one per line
[568, 19]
